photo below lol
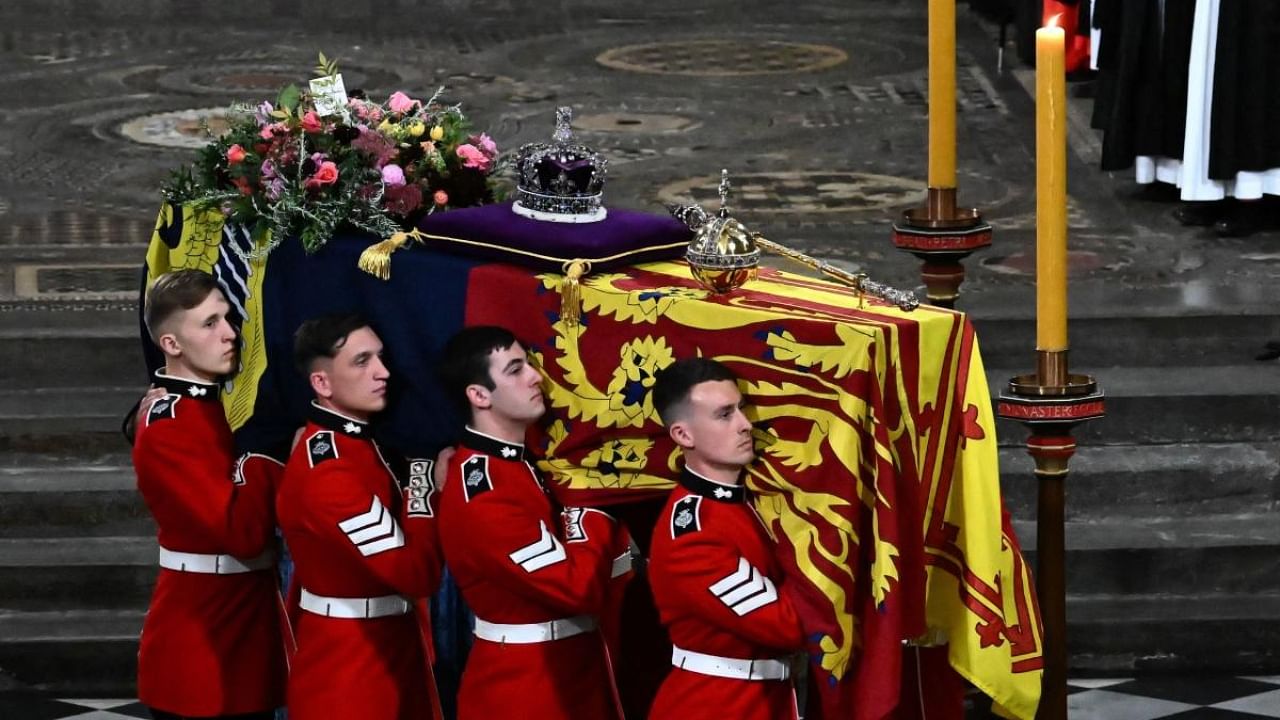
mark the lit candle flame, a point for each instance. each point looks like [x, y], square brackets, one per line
[1054, 21]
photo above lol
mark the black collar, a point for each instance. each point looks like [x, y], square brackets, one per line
[197, 389]
[490, 445]
[695, 483]
[336, 421]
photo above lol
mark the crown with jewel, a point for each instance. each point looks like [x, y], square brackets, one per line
[561, 181]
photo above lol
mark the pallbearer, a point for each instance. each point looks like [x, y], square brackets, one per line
[364, 542]
[716, 584]
[211, 644]
[536, 577]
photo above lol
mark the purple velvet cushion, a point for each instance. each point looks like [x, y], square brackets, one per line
[494, 232]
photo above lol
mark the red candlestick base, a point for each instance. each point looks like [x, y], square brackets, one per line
[942, 236]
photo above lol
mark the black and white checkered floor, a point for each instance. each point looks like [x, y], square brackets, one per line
[1175, 698]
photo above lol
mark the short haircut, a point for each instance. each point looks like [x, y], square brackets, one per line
[465, 361]
[323, 337]
[172, 292]
[673, 384]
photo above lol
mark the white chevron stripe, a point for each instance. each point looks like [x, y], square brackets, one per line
[364, 519]
[729, 582]
[752, 586]
[379, 529]
[396, 540]
[546, 550]
[745, 589]
[759, 600]
[374, 531]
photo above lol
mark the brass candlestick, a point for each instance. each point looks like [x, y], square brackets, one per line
[1051, 402]
[942, 235]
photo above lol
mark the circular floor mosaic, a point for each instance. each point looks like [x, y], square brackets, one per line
[800, 192]
[251, 81]
[634, 123]
[179, 128]
[721, 58]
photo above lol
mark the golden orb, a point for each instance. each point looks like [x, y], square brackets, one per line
[723, 256]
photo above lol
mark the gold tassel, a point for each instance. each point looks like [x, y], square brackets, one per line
[376, 259]
[571, 291]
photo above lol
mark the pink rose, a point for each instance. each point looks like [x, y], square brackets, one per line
[393, 175]
[235, 154]
[401, 103]
[486, 145]
[472, 157]
[311, 122]
[441, 197]
[326, 174]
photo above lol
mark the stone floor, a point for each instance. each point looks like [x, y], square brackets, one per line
[819, 115]
[1215, 698]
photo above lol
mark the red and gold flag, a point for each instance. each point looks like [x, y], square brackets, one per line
[876, 473]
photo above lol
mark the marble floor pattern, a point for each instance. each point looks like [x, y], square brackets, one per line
[1145, 698]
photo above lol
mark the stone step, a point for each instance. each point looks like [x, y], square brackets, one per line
[52, 315]
[63, 495]
[43, 419]
[1191, 323]
[1176, 556]
[76, 573]
[1170, 341]
[1154, 405]
[1177, 480]
[1219, 632]
[71, 357]
[74, 653]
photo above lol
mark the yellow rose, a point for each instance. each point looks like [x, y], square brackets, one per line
[385, 127]
[416, 129]
[437, 133]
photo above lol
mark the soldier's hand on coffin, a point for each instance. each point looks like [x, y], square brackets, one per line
[441, 470]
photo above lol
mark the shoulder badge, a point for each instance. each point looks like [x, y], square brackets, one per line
[321, 447]
[685, 517]
[475, 477]
[163, 408]
[420, 488]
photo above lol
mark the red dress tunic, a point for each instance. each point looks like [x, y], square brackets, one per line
[718, 589]
[355, 533]
[516, 563]
[211, 643]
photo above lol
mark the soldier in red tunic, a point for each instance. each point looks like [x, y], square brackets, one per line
[364, 546]
[716, 583]
[211, 644]
[535, 581]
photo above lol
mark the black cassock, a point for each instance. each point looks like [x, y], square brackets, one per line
[1246, 89]
[1143, 56]
[1143, 69]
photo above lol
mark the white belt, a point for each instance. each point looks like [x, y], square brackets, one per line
[534, 632]
[214, 564]
[354, 608]
[734, 668]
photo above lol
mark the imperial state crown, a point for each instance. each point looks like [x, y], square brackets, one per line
[561, 181]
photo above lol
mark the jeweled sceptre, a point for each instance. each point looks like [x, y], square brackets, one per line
[724, 255]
